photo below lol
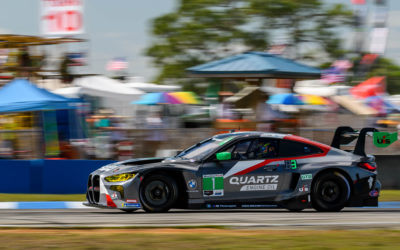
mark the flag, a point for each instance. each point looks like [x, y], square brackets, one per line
[119, 63]
[333, 75]
[369, 59]
[342, 64]
[277, 49]
[77, 59]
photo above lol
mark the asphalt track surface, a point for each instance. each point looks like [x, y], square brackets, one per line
[349, 218]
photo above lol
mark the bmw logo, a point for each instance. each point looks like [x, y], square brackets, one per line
[192, 183]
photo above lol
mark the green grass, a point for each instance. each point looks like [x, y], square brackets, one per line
[390, 195]
[386, 195]
[198, 239]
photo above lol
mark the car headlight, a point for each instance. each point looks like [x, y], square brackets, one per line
[120, 177]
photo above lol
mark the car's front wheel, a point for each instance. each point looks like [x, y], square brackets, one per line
[330, 192]
[158, 193]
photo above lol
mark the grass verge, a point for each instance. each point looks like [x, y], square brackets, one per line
[204, 238]
[390, 195]
[386, 195]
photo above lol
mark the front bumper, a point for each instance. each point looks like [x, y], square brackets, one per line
[95, 205]
[121, 195]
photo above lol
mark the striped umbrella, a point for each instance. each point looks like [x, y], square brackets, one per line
[157, 98]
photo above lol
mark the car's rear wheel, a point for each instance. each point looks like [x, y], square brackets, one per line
[330, 192]
[158, 193]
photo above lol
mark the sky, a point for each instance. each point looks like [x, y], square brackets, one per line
[121, 28]
[114, 28]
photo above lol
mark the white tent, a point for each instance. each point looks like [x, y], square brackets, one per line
[69, 92]
[110, 93]
[320, 88]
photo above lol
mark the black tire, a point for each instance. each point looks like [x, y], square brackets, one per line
[330, 192]
[158, 193]
[129, 210]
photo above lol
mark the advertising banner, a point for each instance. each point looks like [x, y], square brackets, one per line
[61, 17]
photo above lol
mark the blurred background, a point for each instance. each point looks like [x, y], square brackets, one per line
[118, 79]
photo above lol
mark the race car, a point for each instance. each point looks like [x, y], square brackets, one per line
[244, 170]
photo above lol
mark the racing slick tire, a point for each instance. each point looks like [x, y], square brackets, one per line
[330, 192]
[158, 193]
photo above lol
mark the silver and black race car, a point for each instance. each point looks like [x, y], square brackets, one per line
[244, 170]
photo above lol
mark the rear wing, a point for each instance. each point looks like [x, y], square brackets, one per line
[345, 135]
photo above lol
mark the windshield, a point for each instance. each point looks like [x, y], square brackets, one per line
[202, 149]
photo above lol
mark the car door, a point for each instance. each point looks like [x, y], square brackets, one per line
[215, 186]
[259, 176]
[253, 172]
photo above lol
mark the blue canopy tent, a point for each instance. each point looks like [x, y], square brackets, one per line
[254, 65]
[20, 96]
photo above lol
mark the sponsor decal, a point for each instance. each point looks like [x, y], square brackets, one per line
[116, 169]
[293, 164]
[260, 179]
[306, 177]
[219, 193]
[384, 139]
[114, 196]
[131, 201]
[259, 187]
[135, 205]
[370, 182]
[221, 205]
[192, 184]
[260, 183]
[374, 193]
[226, 140]
[224, 206]
[304, 188]
[256, 206]
[213, 185]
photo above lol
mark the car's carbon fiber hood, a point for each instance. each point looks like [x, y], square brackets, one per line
[143, 164]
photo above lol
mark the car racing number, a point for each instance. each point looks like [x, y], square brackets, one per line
[213, 185]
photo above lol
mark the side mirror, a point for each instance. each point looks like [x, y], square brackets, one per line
[223, 156]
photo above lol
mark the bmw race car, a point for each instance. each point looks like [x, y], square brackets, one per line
[244, 170]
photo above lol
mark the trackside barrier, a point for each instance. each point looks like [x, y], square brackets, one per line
[47, 176]
[70, 176]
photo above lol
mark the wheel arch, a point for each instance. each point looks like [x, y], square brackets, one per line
[334, 169]
[177, 175]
